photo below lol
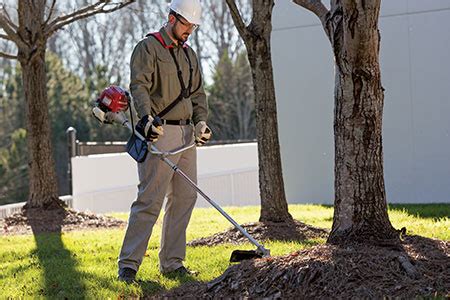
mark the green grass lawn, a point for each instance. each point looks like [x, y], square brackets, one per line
[83, 264]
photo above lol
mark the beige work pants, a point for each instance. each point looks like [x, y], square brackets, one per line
[156, 180]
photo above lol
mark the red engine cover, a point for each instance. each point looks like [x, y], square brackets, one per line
[114, 99]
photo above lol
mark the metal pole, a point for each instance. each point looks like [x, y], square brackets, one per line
[72, 151]
[264, 252]
[121, 118]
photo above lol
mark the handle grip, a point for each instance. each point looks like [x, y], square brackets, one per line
[157, 122]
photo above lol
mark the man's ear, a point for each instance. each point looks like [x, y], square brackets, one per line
[172, 19]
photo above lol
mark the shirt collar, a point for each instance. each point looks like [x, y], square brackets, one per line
[167, 40]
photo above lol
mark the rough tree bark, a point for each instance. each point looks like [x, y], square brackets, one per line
[36, 23]
[256, 37]
[360, 200]
[43, 187]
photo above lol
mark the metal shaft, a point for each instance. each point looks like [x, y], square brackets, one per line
[216, 206]
[162, 156]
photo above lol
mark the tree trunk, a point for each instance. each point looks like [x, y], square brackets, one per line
[30, 36]
[274, 206]
[41, 165]
[360, 201]
[256, 36]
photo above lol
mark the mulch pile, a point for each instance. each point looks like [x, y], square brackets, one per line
[38, 220]
[328, 271]
[289, 231]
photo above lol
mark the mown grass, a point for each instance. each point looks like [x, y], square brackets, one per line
[83, 264]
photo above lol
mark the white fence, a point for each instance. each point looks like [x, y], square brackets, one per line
[108, 182]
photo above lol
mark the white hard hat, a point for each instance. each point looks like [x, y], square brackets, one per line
[191, 10]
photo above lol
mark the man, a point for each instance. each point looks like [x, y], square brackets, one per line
[166, 83]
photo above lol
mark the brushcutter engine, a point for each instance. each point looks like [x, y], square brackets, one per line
[111, 104]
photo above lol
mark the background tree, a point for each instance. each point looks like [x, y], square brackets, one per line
[13, 170]
[70, 103]
[36, 22]
[256, 37]
[218, 32]
[231, 105]
[79, 64]
[360, 209]
[13, 148]
[105, 42]
[221, 53]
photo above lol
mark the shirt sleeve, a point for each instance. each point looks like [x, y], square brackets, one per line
[142, 67]
[198, 97]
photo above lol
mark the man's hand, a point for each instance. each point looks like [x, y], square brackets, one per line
[149, 129]
[202, 133]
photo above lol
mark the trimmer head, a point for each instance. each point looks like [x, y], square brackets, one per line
[240, 255]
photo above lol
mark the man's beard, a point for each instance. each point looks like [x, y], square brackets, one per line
[179, 38]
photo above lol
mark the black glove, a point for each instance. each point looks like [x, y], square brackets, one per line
[150, 128]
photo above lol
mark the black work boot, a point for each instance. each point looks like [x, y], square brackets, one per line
[127, 275]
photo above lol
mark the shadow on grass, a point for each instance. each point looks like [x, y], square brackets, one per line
[61, 277]
[425, 211]
[60, 267]
[150, 287]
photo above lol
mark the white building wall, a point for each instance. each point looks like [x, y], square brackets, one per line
[415, 44]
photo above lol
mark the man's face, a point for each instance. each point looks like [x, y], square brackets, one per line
[181, 28]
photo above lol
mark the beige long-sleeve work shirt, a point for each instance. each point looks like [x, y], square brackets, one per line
[155, 84]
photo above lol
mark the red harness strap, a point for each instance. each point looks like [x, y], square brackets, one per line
[158, 36]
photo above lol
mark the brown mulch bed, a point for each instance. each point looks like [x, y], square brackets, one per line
[289, 231]
[38, 220]
[328, 271]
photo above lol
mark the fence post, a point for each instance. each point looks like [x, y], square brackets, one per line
[72, 150]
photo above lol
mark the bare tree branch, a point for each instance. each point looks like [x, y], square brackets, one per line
[237, 18]
[330, 19]
[5, 37]
[10, 30]
[74, 14]
[315, 6]
[85, 12]
[7, 18]
[8, 56]
[50, 13]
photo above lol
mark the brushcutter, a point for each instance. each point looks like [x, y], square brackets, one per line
[110, 108]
